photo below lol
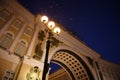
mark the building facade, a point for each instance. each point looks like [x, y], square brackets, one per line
[60, 74]
[23, 47]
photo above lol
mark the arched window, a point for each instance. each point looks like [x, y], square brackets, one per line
[6, 40]
[21, 48]
[17, 24]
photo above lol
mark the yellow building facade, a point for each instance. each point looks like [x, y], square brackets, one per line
[60, 74]
[23, 47]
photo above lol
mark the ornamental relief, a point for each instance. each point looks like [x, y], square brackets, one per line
[41, 38]
[38, 47]
[33, 74]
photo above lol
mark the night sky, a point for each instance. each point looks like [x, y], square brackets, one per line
[96, 22]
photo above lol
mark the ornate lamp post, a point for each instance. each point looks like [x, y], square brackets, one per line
[51, 28]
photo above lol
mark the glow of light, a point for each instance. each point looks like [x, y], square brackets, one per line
[44, 19]
[51, 25]
[57, 30]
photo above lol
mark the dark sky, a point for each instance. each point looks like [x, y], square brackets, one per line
[96, 22]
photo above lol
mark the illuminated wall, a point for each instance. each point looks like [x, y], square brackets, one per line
[18, 40]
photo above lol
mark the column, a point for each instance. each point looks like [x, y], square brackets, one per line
[7, 24]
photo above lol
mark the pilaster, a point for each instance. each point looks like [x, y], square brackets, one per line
[29, 51]
[6, 25]
[17, 38]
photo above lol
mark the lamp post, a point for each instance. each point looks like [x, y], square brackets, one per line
[51, 28]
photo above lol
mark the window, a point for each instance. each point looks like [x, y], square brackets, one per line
[28, 31]
[20, 49]
[9, 75]
[6, 40]
[4, 14]
[17, 24]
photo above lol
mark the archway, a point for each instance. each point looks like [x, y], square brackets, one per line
[73, 64]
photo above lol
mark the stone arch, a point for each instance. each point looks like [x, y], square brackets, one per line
[73, 64]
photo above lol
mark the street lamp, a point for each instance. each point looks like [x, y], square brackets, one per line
[51, 28]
